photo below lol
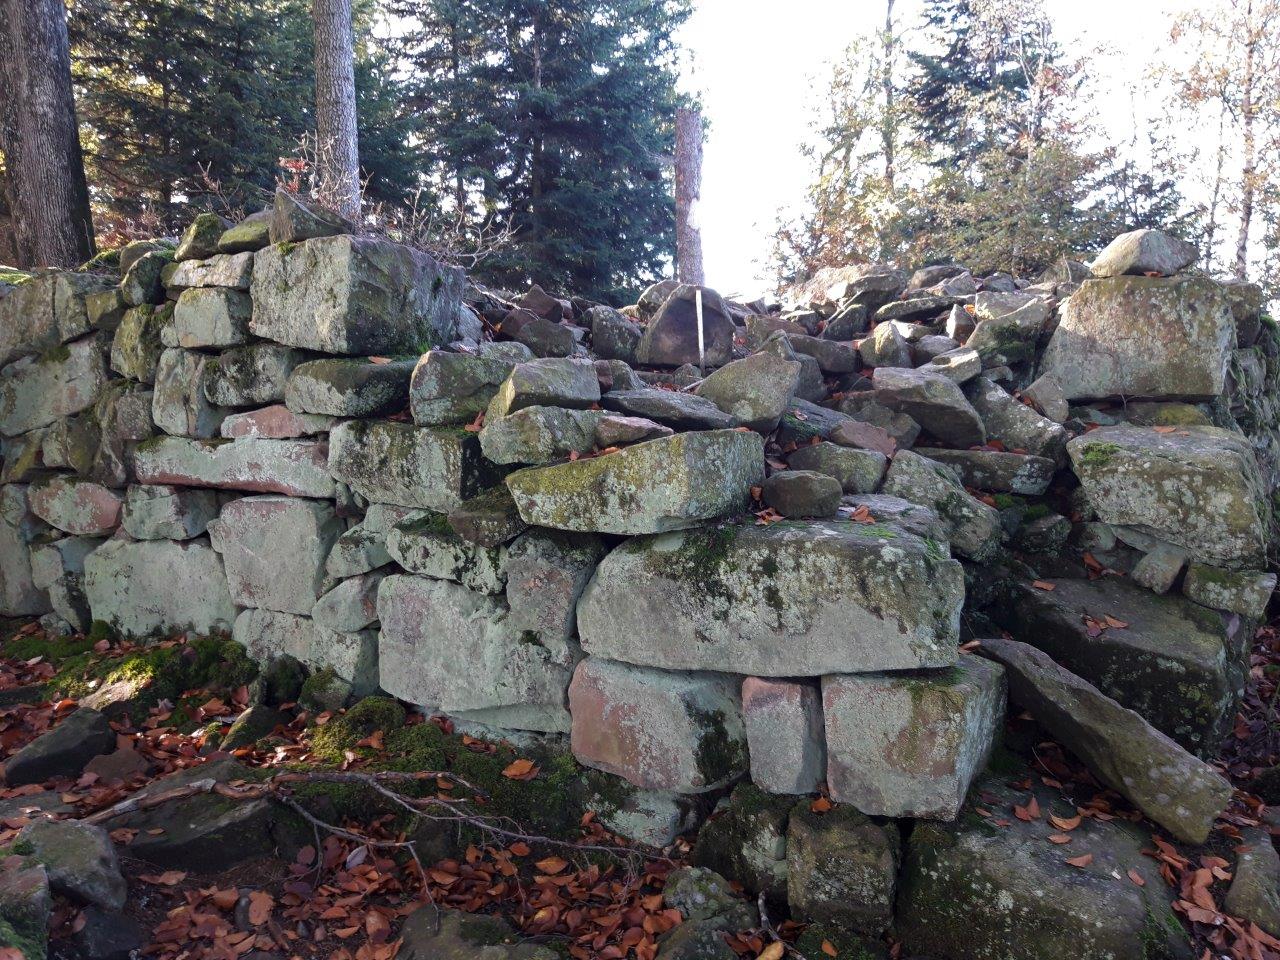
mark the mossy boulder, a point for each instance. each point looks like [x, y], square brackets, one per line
[746, 841]
[975, 890]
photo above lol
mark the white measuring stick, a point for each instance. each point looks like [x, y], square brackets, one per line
[697, 306]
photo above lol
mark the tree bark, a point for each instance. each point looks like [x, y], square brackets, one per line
[688, 190]
[337, 140]
[47, 193]
[1248, 111]
[888, 124]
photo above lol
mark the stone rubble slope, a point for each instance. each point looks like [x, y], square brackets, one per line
[746, 556]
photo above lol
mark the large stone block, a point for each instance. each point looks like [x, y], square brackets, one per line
[276, 422]
[19, 596]
[158, 586]
[58, 567]
[973, 890]
[1180, 666]
[399, 463]
[973, 527]
[274, 549]
[354, 296]
[453, 387]
[231, 270]
[251, 375]
[546, 571]
[210, 317]
[180, 406]
[364, 547]
[351, 655]
[1198, 487]
[349, 387]
[167, 512]
[658, 730]
[784, 734]
[76, 506]
[781, 600]
[665, 484]
[671, 336]
[139, 341]
[909, 746]
[36, 391]
[44, 311]
[424, 543]
[448, 648]
[1142, 337]
[296, 468]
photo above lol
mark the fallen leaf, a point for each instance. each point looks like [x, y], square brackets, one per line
[552, 865]
[260, 906]
[1081, 861]
[521, 769]
[773, 951]
[1136, 877]
[1044, 585]
[821, 805]
[1059, 838]
[829, 949]
[170, 878]
[1065, 823]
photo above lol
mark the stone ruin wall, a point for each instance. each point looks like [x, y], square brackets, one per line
[312, 441]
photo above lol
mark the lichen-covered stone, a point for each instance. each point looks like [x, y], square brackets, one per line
[1246, 592]
[932, 400]
[665, 484]
[997, 470]
[488, 520]
[354, 296]
[136, 348]
[973, 890]
[1142, 337]
[19, 596]
[142, 281]
[58, 567]
[200, 240]
[1015, 424]
[45, 310]
[448, 388]
[1198, 487]
[424, 543]
[1181, 793]
[180, 405]
[613, 336]
[210, 317]
[231, 270]
[268, 635]
[36, 391]
[274, 549]
[252, 233]
[783, 600]
[842, 868]
[296, 468]
[546, 572]
[747, 840]
[785, 735]
[76, 506]
[350, 606]
[801, 493]
[548, 382]
[671, 336]
[276, 422]
[682, 411]
[657, 730]
[167, 512]
[1144, 252]
[251, 375]
[910, 745]
[1178, 665]
[448, 648]
[429, 468]
[1254, 893]
[80, 860]
[349, 387]
[364, 547]
[152, 587]
[293, 219]
[755, 391]
[973, 527]
[857, 471]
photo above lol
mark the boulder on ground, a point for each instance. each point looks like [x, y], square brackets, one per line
[665, 484]
[354, 296]
[1254, 893]
[453, 387]
[842, 868]
[934, 401]
[747, 840]
[996, 470]
[857, 471]
[671, 336]
[801, 493]
[62, 751]
[433, 934]
[658, 730]
[1179, 666]
[1142, 337]
[1182, 794]
[681, 411]
[79, 859]
[910, 745]
[431, 468]
[1198, 487]
[781, 600]
[754, 391]
[978, 890]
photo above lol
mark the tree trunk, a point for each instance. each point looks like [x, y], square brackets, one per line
[337, 140]
[1248, 172]
[688, 190]
[47, 194]
[888, 125]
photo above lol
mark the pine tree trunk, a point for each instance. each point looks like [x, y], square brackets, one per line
[688, 190]
[889, 122]
[1248, 110]
[47, 193]
[337, 147]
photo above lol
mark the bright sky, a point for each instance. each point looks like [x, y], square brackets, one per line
[759, 65]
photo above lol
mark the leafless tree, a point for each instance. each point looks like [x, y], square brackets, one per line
[336, 104]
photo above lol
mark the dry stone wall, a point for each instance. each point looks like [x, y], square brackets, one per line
[762, 562]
